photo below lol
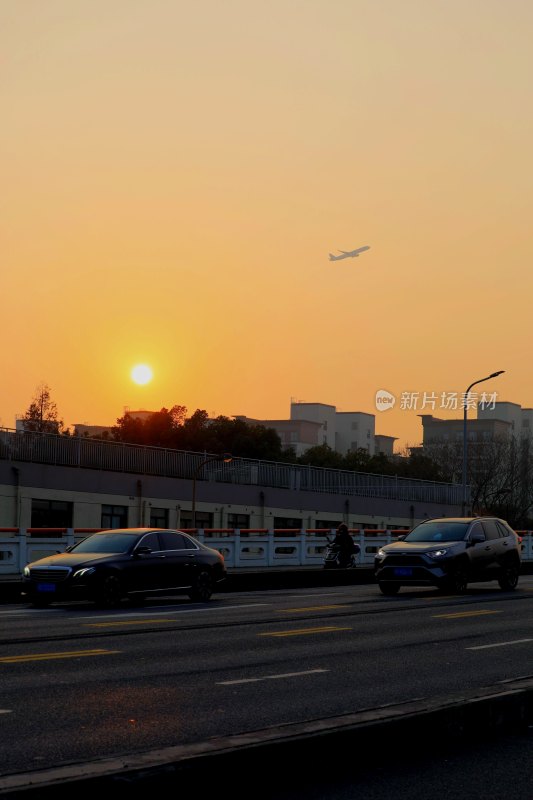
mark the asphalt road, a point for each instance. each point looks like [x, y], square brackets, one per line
[78, 683]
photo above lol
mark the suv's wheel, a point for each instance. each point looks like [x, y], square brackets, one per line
[508, 580]
[457, 581]
[202, 588]
[389, 589]
[109, 592]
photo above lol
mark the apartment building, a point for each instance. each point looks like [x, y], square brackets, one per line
[500, 420]
[321, 413]
[448, 431]
[314, 424]
[520, 419]
[298, 434]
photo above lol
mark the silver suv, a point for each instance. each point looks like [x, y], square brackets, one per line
[449, 553]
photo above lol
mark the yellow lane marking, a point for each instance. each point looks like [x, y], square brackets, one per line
[310, 608]
[460, 614]
[125, 622]
[48, 656]
[304, 631]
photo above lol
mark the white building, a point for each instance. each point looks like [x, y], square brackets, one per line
[322, 413]
[384, 445]
[345, 431]
[354, 430]
[300, 435]
[315, 424]
[520, 419]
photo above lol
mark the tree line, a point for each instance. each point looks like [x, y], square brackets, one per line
[173, 428]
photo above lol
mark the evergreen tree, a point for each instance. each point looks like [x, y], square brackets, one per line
[42, 414]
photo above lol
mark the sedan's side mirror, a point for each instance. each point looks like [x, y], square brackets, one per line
[143, 550]
[477, 538]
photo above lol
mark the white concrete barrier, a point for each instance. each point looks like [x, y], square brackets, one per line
[258, 548]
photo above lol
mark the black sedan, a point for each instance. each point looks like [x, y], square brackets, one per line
[131, 562]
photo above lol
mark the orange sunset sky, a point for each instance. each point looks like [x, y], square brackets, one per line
[174, 175]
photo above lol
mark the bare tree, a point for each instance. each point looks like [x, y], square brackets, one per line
[500, 475]
[42, 414]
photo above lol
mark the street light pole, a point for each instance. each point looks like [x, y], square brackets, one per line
[465, 438]
[225, 457]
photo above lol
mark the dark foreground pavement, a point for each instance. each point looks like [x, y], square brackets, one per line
[384, 750]
[282, 761]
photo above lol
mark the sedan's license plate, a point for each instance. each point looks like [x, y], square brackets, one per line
[403, 572]
[46, 587]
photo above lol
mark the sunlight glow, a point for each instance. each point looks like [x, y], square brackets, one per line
[141, 374]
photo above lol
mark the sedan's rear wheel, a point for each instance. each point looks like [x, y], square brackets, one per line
[202, 588]
[137, 600]
[508, 580]
[109, 592]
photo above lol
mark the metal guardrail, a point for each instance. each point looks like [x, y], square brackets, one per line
[75, 451]
[252, 547]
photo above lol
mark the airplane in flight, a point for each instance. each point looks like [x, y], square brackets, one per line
[348, 253]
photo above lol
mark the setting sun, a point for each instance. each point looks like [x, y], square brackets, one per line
[141, 374]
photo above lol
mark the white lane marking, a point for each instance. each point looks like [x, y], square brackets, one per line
[20, 612]
[127, 614]
[310, 608]
[14, 614]
[499, 644]
[6, 710]
[271, 677]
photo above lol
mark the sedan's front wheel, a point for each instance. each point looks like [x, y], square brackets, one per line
[109, 592]
[202, 588]
[388, 588]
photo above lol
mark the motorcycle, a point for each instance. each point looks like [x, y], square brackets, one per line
[332, 556]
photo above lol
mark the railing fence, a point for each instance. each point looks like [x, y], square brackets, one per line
[251, 547]
[81, 452]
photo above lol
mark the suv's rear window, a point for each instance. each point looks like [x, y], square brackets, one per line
[504, 530]
[438, 532]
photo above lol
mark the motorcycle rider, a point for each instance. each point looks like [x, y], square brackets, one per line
[345, 543]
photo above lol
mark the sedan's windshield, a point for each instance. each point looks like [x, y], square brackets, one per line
[106, 543]
[438, 532]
